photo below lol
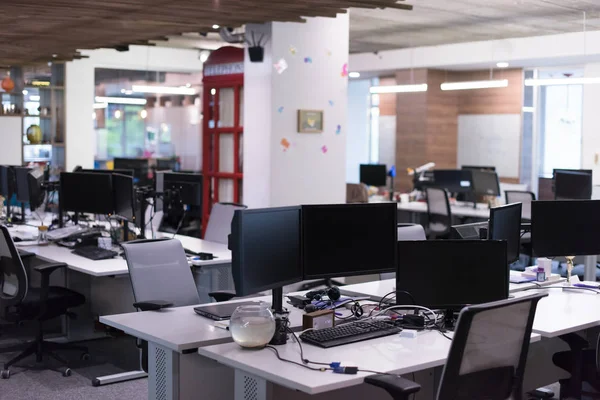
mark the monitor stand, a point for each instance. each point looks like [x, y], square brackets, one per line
[19, 221]
[281, 318]
[449, 320]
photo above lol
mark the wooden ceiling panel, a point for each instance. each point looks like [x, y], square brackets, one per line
[34, 31]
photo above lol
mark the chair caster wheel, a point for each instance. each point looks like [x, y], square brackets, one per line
[66, 372]
[5, 374]
[85, 357]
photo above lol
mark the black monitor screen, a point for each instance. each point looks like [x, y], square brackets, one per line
[86, 193]
[373, 175]
[35, 180]
[505, 224]
[128, 172]
[565, 228]
[265, 249]
[450, 274]
[485, 183]
[188, 187]
[572, 185]
[22, 184]
[140, 167]
[123, 196]
[453, 180]
[348, 239]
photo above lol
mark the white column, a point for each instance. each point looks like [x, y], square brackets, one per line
[591, 122]
[282, 166]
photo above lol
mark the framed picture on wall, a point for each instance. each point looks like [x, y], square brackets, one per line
[310, 121]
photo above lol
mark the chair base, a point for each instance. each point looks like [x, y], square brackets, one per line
[566, 391]
[41, 348]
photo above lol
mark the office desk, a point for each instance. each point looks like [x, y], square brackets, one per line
[461, 210]
[392, 354]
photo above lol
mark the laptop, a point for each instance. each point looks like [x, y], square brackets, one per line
[221, 311]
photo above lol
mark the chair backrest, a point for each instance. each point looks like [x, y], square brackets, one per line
[357, 193]
[490, 344]
[525, 198]
[438, 210]
[411, 232]
[159, 270]
[13, 276]
[219, 222]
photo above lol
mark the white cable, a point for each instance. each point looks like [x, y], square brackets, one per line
[409, 307]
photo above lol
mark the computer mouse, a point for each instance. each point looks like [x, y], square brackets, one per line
[17, 239]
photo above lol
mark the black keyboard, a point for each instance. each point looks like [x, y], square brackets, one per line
[94, 253]
[349, 333]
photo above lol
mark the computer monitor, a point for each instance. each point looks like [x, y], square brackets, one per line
[35, 185]
[505, 224]
[22, 184]
[140, 167]
[485, 183]
[348, 239]
[86, 193]
[6, 181]
[123, 196]
[188, 186]
[182, 204]
[167, 164]
[480, 167]
[373, 174]
[453, 180]
[450, 274]
[565, 228]
[128, 172]
[265, 249]
[572, 185]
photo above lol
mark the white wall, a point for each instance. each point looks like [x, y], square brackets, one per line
[387, 140]
[303, 173]
[357, 140]
[79, 91]
[11, 139]
[591, 123]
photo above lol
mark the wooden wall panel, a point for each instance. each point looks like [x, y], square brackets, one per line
[442, 122]
[387, 101]
[507, 100]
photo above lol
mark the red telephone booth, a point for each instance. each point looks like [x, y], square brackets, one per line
[222, 128]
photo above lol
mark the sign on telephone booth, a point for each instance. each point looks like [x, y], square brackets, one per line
[222, 129]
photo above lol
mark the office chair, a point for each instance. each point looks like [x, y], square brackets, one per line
[487, 356]
[583, 363]
[438, 213]
[525, 198]
[406, 232]
[357, 193]
[160, 278]
[21, 302]
[219, 222]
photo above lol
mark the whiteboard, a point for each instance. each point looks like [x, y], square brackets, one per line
[493, 139]
[11, 139]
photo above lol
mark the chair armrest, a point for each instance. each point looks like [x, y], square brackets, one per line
[47, 269]
[398, 387]
[222, 295]
[152, 305]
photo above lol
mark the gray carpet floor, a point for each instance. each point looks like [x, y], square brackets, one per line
[26, 383]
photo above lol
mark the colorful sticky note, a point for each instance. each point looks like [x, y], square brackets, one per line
[285, 144]
[344, 70]
[293, 50]
[324, 149]
[331, 103]
[280, 109]
[280, 66]
[308, 60]
[338, 130]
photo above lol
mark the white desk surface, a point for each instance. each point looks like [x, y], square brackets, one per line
[391, 354]
[117, 265]
[180, 328]
[377, 289]
[459, 210]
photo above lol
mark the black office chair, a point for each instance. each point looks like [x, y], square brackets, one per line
[487, 357]
[583, 363]
[21, 302]
[439, 216]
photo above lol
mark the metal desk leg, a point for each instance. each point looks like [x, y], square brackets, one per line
[589, 273]
[121, 377]
[251, 387]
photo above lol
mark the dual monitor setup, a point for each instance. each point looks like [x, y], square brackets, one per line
[26, 184]
[274, 247]
[572, 184]
[468, 181]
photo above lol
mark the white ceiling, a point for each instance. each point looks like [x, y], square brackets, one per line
[434, 22]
